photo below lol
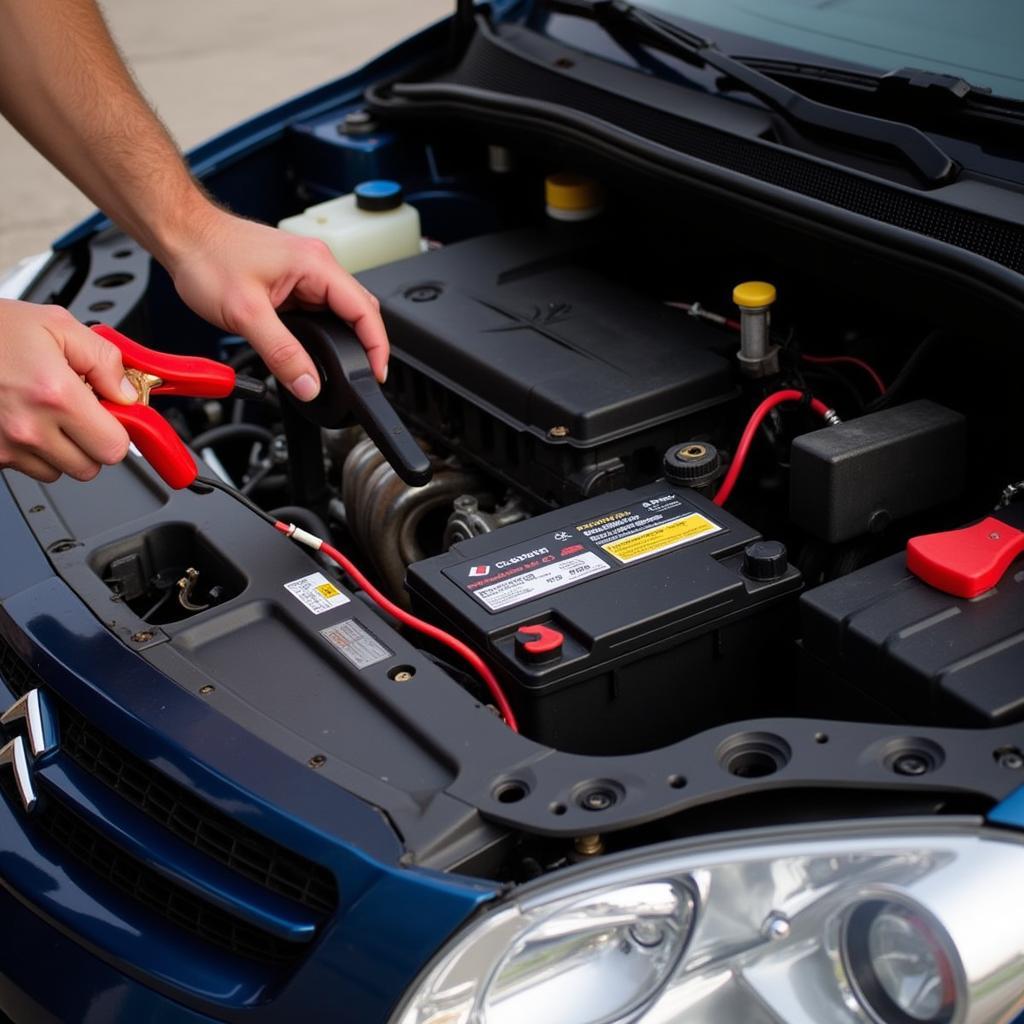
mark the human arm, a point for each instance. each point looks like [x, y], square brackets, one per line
[65, 87]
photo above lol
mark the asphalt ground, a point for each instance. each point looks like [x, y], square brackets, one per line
[205, 66]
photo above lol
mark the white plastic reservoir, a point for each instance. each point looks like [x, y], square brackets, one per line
[365, 229]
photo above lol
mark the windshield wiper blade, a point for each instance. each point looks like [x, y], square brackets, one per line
[932, 165]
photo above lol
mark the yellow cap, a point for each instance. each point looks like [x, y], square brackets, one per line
[753, 294]
[572, 192]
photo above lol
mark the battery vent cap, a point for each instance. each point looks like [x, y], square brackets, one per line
[765, 560]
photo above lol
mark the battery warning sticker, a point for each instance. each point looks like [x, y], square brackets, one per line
[565, 557]
[356, 643]
[649, 528]
[661, 538]
[316, 592]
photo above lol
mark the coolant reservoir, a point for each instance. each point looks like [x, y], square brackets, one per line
[368, 228]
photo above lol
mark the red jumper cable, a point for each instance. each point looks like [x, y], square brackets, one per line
[753, 425]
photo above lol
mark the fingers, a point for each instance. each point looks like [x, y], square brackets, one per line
[99, 362]
[286, 359]
[67, 457]
[100, 438]
[31, 465]
[51, 422]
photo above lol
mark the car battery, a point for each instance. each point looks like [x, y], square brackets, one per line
[624, 622]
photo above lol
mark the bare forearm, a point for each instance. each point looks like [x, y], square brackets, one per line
[65, 87]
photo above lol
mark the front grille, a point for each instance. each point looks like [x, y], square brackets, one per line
[182, 813]
[170, 901]
[18, 676]
[193, 820]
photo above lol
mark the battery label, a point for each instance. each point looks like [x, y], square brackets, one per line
[565, 557]
[661, 538]
[529, 585]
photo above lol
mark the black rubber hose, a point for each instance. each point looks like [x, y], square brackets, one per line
[910, 367]
[232, 432]
[254, 481]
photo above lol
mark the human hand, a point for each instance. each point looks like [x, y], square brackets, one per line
[51, 421]
[238, 274]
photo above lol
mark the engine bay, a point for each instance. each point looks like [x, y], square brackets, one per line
[675, 526]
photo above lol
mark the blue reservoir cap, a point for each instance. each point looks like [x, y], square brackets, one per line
[378, 195]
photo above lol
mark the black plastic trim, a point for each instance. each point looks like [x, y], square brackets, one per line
[745, 169]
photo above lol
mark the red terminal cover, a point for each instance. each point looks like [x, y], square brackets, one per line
[967, 562]
[537, 641]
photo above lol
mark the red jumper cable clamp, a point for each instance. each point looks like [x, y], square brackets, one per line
[160, 373]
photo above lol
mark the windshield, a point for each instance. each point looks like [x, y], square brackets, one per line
[979, 40]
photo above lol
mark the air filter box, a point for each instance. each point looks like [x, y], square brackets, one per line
[624, 622]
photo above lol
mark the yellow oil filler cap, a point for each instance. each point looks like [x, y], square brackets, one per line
[572, 196]
[753, 294]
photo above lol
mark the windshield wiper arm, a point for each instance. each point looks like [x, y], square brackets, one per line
[927, 159]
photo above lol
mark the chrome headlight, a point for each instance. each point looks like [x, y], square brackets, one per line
[900, 924]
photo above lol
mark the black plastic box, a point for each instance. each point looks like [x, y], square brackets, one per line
[663, 632]
[857, 477]
[914, 653]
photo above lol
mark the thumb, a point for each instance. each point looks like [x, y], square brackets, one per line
[286, 359]
[99, 362]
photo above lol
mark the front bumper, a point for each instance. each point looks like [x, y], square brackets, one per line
[121, 953]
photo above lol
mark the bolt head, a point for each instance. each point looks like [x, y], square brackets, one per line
[317, 761]
[597, 800]
[776, 926]
[423, 293]
[143, 636]
[206, 689]
[910, 764]
[559, 431]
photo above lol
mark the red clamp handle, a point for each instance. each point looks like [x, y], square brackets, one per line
[966, 563]
[191, 376]
[160, 445]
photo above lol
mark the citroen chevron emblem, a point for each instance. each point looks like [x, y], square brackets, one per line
[39, 725]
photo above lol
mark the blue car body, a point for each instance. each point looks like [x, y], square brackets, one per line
[77, 948]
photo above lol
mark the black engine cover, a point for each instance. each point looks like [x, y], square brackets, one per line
[518, 355]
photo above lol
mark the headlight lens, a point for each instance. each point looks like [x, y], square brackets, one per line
[836, 926]
[594, 960]
[899, 964]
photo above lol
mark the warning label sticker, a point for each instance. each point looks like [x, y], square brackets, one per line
[661, 538]
[528, 585]
[316, 592]
[353, 640]
[648, 528]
